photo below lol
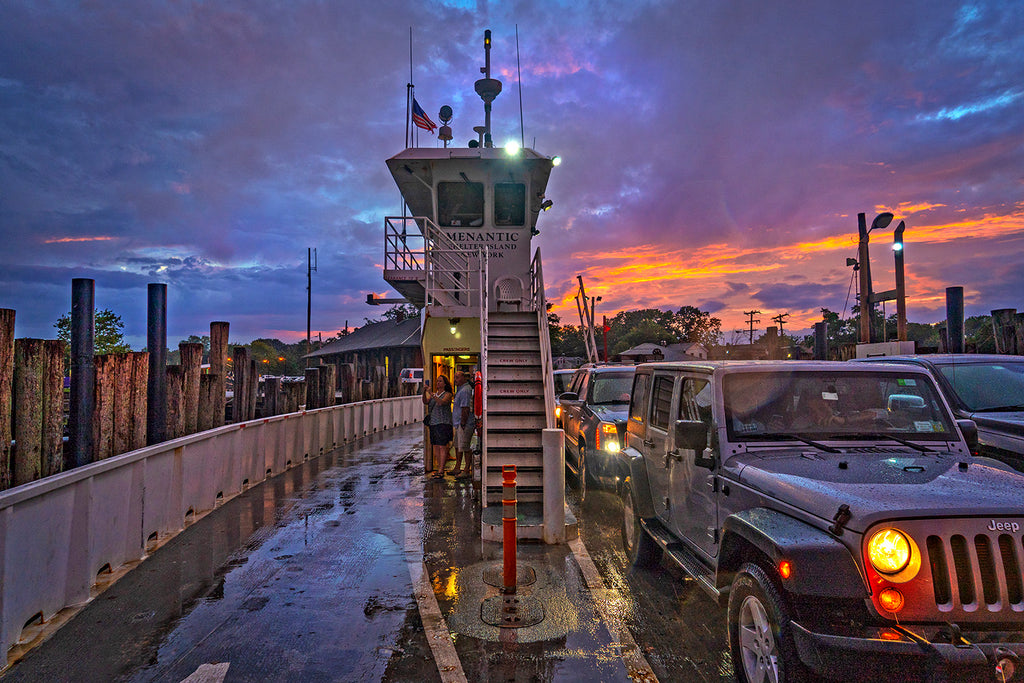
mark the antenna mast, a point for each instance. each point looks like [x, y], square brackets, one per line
[310, 269]
[519, 77]
[585, 307]
[487, 88]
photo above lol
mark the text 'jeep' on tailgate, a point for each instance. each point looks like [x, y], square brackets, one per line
[835, 508]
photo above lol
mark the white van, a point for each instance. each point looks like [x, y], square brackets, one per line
[411, 376]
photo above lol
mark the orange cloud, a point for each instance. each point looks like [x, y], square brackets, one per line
[65, 240]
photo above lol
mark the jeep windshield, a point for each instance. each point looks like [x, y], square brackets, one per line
[611, 387]
[822, 405]
[987, 387]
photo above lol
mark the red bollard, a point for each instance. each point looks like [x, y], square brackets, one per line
[508, 523]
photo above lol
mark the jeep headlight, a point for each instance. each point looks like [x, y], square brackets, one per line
[889, 551]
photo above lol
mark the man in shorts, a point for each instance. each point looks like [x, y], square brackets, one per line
[464, 423]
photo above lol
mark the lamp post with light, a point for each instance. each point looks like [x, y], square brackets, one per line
[881, 221]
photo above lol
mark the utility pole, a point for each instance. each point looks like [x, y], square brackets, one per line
[779, 319]
[750, 322]
[310, 269]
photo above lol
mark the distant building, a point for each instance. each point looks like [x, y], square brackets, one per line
[651, 353]
[371, 358]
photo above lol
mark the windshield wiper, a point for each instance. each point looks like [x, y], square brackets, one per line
[999, 409]
[797, 437]
[897, 439]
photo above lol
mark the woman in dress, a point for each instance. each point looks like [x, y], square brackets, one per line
[439, 408]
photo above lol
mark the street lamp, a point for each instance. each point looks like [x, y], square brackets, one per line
[881, 222]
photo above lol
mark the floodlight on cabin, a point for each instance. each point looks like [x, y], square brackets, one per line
[546, 204]
[512, 148]
[556, 160]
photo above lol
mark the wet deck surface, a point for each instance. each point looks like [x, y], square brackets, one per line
[352, 567]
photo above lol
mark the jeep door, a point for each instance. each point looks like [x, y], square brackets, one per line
[656, 444]
[692, 488]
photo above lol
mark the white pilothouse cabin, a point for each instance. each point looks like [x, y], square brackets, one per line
[464, 256]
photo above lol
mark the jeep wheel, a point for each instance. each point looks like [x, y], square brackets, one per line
[760, 637]
[581, 472]
[640, 548]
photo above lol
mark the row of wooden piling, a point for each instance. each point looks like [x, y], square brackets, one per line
[32, 399]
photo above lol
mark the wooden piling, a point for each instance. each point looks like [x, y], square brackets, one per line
[312, 388]
[253, 388]
[6, 387]
[208, 403]
[218, 367]
[240, 402]
[139, 381]
[271, 396]
[1003, 329]
[328, 384]
[122, 403]
[38, 400]
[191, 366]
[175, 403]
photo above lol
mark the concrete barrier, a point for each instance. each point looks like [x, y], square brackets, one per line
[58, 533]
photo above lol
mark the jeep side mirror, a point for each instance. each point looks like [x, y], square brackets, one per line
[691, 434]
[970, 432]
[568, 396]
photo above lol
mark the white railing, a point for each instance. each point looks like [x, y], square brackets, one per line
[449, 281]
[484, 303]
[404, 242]
[58, 533]
[539, 303]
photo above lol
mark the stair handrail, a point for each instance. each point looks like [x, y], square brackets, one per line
[539, 303]
[483, 372]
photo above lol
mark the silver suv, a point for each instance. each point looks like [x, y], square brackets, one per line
[836, 510]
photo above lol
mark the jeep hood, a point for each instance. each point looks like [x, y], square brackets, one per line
[881, 486]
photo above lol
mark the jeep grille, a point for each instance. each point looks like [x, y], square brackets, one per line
[979, 571]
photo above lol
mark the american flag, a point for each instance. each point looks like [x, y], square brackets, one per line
[420, 118]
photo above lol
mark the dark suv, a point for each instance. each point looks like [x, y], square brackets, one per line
[594, 421]
[836, 510]
[988, 389]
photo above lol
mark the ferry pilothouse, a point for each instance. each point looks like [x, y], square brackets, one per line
[463, 256]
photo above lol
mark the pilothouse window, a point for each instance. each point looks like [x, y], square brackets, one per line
[509, 204]
[460, 204]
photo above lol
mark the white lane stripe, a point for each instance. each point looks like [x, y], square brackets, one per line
[208, 673]
[606, 598]
[438, 635]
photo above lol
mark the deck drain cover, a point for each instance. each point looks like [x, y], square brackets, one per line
[511, 611]
[495, 576]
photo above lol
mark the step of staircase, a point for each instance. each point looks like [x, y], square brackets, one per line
[511, 405]
[515, 344]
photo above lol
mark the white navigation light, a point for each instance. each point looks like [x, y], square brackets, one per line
[556, 160]
[897, 246]
[512, 148]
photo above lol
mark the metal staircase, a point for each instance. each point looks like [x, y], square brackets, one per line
[516, 406]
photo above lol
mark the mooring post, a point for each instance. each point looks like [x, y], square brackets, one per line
[191, 365]
[82, 399]
[955, 319]
[37, 397]
[156, 343]
[508, 526]
[218, 366]
[821, 341]
[240, 401]
[313, 388]
[6, 387]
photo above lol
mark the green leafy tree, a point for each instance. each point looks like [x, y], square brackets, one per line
[108, 334]
[690, 324]
[979, 334]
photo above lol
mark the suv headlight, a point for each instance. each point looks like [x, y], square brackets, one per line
[608, 437]
[889, 551]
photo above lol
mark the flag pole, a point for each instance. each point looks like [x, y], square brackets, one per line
[408, 94]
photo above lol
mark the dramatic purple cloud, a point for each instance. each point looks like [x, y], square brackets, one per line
[720, 150]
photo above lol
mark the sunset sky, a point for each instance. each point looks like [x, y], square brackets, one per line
[716, 154]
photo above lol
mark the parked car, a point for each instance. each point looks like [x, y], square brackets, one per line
[836, 511]
[562, 379]
[410, 376]
[594, 421]
[988, 389]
